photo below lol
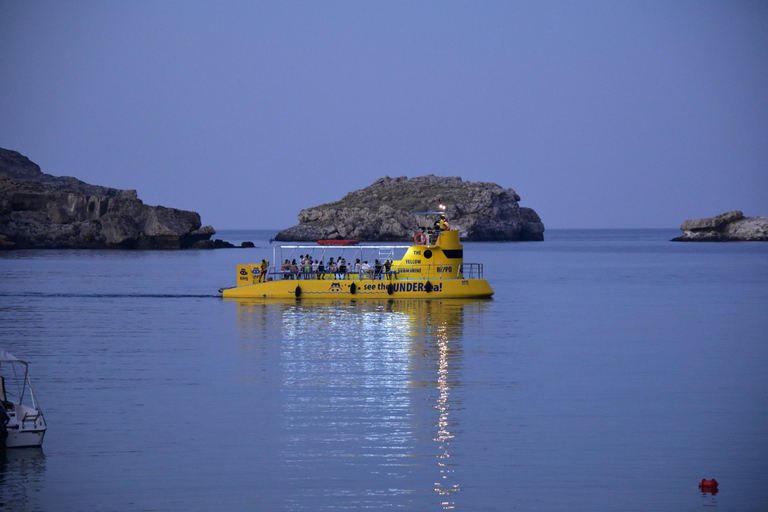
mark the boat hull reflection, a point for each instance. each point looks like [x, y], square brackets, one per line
[365, 382]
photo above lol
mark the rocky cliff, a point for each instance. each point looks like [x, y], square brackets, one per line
[384, 211]
[40, 211]
[728, 227]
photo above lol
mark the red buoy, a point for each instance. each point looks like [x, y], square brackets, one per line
[708, 485]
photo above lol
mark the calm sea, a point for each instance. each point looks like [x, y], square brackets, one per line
[612, 370]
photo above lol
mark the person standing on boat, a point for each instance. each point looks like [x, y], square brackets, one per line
[264, 267]
[315, 268]
[432, 233]
[444, 226]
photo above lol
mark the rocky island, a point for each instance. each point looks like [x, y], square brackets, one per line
[384, 211]
[40, 211]
[727, 227]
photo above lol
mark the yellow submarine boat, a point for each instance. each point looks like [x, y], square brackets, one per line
[431, 268]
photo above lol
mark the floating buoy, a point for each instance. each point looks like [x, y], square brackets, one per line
[428, 287]
[297, 292]
[352, 288]
[708, 485]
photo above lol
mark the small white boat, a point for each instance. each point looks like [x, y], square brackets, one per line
[21, 420]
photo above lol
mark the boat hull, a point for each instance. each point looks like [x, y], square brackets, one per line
[364, 288]
[25, 426]
[24, 438]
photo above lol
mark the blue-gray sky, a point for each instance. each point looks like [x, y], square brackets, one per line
[600, 114]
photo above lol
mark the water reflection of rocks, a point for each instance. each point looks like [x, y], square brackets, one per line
[366, 385]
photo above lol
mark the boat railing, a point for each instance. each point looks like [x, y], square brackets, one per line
[276, 274]
[30, 417]
[466, 271]
[471, 270]
[349, 252]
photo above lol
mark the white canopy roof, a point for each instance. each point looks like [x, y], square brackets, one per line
[7, 356]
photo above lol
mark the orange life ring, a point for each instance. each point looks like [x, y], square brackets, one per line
[420, 238]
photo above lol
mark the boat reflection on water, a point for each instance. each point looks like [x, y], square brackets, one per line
[22, 476]
[367, 378]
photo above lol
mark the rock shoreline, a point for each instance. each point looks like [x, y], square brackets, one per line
[384, 211]
[41, 211]
[731, 226]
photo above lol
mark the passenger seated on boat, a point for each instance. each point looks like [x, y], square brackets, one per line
[285, 269]
[388, 271]
[332, 268]
[365, 270]
[342, 274]
[357, 267]
[320, 270]
[377, 269]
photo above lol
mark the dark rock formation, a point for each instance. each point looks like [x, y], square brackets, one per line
[40, 211]
[218, 244]
[385, 210]
[727, 227]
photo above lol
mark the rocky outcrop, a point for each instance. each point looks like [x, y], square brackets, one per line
[40, 211]
[384, 211]
[728, 227]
